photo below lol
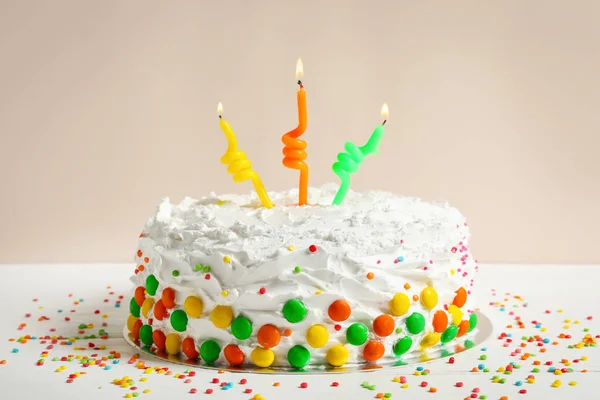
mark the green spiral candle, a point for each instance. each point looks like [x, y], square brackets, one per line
[349, 161]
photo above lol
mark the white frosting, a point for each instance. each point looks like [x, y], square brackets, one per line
[370, 232]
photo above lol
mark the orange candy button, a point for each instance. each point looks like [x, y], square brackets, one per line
[168, 298]
[339, 310]
[140, 295]
[136, 329]
[268, 336]
[233, 354]
[440, 321]
[384, 325]
[462, 328]
[373, 351]
[461, 298]
[159, 339]
[160, 312]
[188, 346]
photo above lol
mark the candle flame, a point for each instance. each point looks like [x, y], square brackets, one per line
[299, 69]
[220, 108]
[385, 111]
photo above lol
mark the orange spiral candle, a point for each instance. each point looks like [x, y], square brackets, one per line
[295, 149]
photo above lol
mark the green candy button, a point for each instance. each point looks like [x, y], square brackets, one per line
[146, 335]
[241, 328]
[449, 334]
[357, 334]
[403, 345]
[294, 310]
[209, 351]
[415, 323]
[298, 356]
[134, 309]
[472, 322]
[151, 285]
[179, 320]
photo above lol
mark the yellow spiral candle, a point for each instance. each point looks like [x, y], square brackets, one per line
[239, 165]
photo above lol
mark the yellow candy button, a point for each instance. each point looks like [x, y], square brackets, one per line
[456, 314]
[173, 344]
[317, 336]
[429, 298]
[262, 357]
[337, 355]
[430, 339]
[193, 306]
[147, 306]
[221, 316]
[131, 320]
[399, 304]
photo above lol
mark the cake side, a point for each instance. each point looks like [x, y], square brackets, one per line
[289, 283]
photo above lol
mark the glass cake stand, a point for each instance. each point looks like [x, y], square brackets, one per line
[471, 340]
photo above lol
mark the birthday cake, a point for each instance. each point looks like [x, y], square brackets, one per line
[225, 281]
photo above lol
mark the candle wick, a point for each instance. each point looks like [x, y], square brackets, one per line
[219, 117]
[300, 83]
[383, 123]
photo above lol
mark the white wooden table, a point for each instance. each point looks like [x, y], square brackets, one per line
[48, 293]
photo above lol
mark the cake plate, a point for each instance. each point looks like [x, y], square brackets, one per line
[471, 341]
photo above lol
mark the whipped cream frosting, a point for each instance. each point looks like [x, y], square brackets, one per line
[374, 245]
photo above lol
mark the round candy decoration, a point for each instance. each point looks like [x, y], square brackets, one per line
[415, 323]
[462, 328]
[357, 334]
[449, 334]
[403, 345]
[140, 295]
[193, 306]
[146, 335]
[221, 316]
[233, 355]
[179, 320]
[430, 340]
[339, 311]
[317, 336]
[262, 357]
[268, 336]
[134, 309]
[136, 329]
[373, 351]
[210, 350]
[472, 322]
[151, 285]
[399, 304]
[130, 322]
[429, 298]
[173, 344]
[384, 325]
[147, 306]
[461, 298]
[337, 355]
[188, 347]
[298, 356]
[159, 339]
[168, 298]
[294, 310]
[440, 321]
[160, 312]
[241, 328]
[456, 314]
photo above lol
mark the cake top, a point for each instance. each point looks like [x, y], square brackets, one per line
[372, 223]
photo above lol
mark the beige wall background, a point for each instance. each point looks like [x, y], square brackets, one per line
[107, 106]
